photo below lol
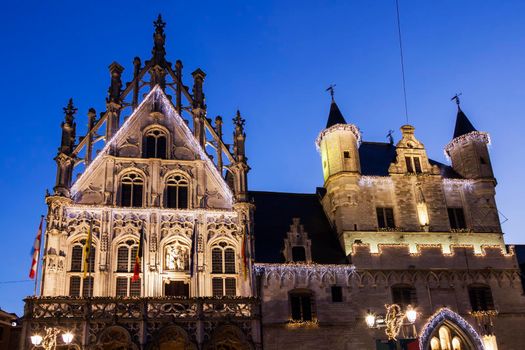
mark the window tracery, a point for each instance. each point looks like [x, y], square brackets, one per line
[124, 265]
[223, 265]
[155, 144]
[78, 284]
[131, 190]
[176, 192]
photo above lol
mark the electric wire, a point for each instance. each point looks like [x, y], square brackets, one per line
[402, 60]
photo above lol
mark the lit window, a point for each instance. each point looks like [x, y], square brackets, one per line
[155, 144]
[456, 218]
[176, 196]
[385, 217]
[131, 190]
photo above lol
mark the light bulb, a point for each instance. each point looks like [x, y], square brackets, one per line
[370, 320]
[67, 337]
[36, 339]
[411, 314]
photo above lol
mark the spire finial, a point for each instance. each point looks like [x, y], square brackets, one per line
[70, 110]
[159, 37]
[332, 91]
[456, 99]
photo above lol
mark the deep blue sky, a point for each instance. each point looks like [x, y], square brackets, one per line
[273, 60]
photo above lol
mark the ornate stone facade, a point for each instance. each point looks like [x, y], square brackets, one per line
[153, 245]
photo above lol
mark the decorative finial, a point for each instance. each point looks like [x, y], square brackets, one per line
[456, 99]
[159, 38]
[332, 91]
[70, 110]
[159, 24]
[238, 121]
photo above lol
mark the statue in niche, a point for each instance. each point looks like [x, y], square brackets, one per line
[176, 257]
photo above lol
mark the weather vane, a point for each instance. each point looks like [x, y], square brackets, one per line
[456, 98]
[390, 136]
[331, 89]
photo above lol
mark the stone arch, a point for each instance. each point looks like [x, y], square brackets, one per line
[228, 337]
[453, 321]
[115, 338]
[171, 338]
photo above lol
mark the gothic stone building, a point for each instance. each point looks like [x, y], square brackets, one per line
[391, 236]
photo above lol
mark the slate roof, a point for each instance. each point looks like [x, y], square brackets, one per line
[274, 212]
[375, 158]
[463, 124]
[335, 116]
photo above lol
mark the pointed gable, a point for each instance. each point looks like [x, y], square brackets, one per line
[155, 112]
[463, 124]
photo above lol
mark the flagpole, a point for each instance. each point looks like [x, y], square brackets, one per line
[143, 262]
[90, 284]
[39, 256]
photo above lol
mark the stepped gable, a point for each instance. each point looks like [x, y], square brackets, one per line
[273, 217]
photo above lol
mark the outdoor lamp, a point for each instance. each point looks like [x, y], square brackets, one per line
[411, 314]
[67, 337]
[36, 339]
[370, 319]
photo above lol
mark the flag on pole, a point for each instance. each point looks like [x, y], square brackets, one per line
[193, 255]
[138, 257]
[87, 251]
[36, 250]
[244, 252]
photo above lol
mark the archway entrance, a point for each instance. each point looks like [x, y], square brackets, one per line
[172, 338]
[446, 330]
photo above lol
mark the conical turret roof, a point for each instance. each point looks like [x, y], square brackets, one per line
[463, 124]
[335, 116]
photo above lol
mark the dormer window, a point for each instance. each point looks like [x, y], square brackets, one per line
[131, 189]
[413, 165]
[154, 145]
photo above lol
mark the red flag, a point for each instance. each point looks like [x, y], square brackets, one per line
[138, 258]
[36, 250]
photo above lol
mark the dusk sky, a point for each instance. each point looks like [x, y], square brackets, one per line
[273, 60]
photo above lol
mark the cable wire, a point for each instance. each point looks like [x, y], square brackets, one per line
[402, 60]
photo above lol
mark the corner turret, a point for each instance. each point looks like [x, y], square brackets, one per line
[64, 158]
[468, 149]
[338, 144]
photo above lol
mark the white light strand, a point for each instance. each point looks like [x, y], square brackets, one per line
[297, 267]
[156, 92]
[480, 136]
[369, 181]
[438, 318]
[346, 127]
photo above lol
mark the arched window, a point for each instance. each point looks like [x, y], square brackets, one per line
[131, 189]
[78, 285]
[176, 192]
[301, 305]
[222, 267]
[126, 255]
[404, 295]
[154, 145]
[480, 297]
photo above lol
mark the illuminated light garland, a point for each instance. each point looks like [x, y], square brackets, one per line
[420, 246]
[439, 317]
[465, 183]
[471, 136]
[118, 209]
[345, 127]
[370, 180]
[298, 267]
[302, 324]
[171, 112]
